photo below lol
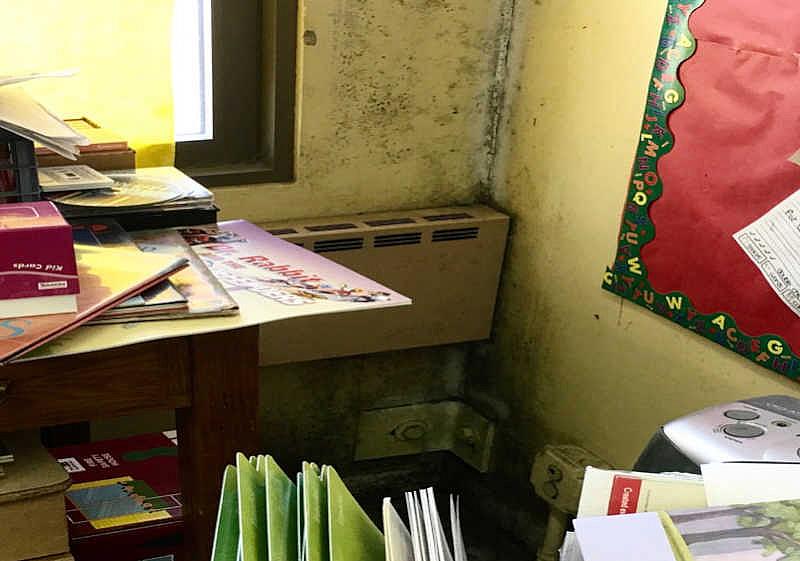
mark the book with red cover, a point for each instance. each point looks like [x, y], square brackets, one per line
[108, 276]
[125, 500]
[38, 259]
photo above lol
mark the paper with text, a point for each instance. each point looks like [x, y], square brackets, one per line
[773, 243]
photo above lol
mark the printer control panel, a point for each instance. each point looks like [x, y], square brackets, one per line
[758, 429]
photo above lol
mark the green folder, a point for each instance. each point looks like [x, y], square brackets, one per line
[315, 514]
[226, 535]
[301, 523]
[281, 513]
[252, 511]
[351, 534]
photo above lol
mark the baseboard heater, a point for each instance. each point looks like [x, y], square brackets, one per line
[447, 259]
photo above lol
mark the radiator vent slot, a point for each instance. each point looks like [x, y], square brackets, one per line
[389, 240]
[389, 222]
[331, 227]
[343, 244]
[453, 234]
[282, 231]
[452, 216]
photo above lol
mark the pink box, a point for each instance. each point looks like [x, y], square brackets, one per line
[36, 254]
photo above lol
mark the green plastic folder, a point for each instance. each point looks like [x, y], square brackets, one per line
[351, 534]
[301, 522]
[226, 535]
[315, 514]
[281, 513]
[252, 511]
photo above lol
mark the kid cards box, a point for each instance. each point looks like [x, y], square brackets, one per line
[38, 273]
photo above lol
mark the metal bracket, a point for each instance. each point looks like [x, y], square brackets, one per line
[426, 427]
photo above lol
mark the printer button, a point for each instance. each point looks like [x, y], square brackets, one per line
[743, 431]
[741, 415]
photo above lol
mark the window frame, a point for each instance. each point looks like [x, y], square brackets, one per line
[254, 47]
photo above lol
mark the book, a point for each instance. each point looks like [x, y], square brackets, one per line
[72, 178]
[107, 277]
[761, 531]
[100, 139]
[157, 300]
[101, 161]
[246, 258]
[40, 276]
[204, 294]
[608, 492]
[125, 497]
[750, 482]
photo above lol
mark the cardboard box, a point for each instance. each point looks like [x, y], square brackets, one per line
[32, 522]
[125, 501]
[39, 261]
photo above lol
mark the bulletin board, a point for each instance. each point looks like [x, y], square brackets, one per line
[721, 127]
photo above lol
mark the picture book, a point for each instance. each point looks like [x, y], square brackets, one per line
[246, 258]
[755, 532]
[107, 277]
[125, 497]
[158, 300]
[204, 294]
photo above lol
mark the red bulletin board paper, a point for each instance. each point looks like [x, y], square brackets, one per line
[734, 125]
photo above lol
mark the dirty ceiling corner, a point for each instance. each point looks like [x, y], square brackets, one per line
[497, 93]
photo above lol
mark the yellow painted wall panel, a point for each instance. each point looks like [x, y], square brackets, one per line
[122, 50]
[572, 362]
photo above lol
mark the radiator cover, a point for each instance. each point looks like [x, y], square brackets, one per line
[448, 260]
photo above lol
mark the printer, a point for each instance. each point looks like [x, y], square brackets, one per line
[761, 429]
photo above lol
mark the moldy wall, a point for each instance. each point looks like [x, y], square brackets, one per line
[571, 363]
[395, 112]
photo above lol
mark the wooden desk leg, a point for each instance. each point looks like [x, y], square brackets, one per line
[222, 420]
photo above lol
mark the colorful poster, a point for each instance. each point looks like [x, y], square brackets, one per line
[716, 154]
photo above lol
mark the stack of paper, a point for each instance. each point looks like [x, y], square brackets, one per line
[751, 513]
[24, 116]
[266, 516]
[426, 540]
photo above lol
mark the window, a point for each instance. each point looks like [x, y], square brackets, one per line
[191, 70]
[246, 134]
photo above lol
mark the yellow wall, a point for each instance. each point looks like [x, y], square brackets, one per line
[394, 109]
[570, 362]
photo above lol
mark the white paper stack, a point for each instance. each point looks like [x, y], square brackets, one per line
[24, 116]
[424, 538]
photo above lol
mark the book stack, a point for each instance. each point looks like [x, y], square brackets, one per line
[106, 149]
[734, 512]
[264, 515]
[49, 285]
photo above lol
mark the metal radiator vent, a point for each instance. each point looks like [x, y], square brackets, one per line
[453, 234]
[341, 244]
[389, 240]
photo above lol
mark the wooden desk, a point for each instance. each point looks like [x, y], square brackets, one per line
[210, 379]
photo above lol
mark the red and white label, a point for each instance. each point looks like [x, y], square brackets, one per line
[624, 495]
